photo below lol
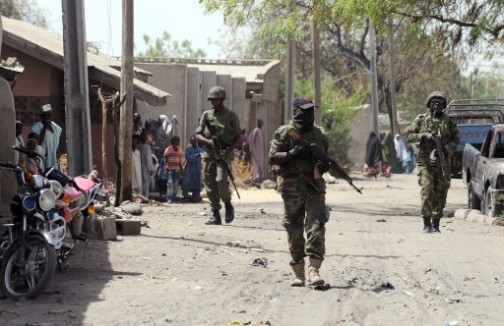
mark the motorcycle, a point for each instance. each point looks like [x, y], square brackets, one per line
[75, 203]
[36, 234]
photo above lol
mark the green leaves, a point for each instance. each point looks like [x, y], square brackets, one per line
[164, 46]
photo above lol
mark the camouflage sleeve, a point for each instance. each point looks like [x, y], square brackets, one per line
[278, 143]
[413, 134]
[201, 125]
[451, 146]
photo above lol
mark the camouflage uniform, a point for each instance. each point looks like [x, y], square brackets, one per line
[301, 193]
[430, 178]
[227, 127]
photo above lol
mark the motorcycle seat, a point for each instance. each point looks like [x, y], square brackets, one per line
[84, 184]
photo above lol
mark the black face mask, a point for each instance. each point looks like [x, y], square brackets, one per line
[303, 119]
[437, 105]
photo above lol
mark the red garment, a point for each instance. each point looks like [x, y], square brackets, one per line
[172, 158]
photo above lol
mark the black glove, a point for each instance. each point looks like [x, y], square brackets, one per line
[300, 152]
[323, 168]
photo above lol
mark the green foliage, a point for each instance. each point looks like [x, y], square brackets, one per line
[164, 46]
[338, 109]
[25, 10]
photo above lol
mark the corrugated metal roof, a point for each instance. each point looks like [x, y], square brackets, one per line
[252, 70]
[48, 47]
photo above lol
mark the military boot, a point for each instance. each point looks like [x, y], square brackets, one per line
[427, 226]
[215, 219]
[435, 224]
[298, 273]
[313, 272]
[229, 212]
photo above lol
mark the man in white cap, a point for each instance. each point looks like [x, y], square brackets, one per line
[48, 136]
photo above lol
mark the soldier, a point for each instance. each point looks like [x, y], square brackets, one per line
[303, 191]
[222, 125]
[434, 184]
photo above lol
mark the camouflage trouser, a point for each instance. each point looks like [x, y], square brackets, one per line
[434, 190]
[300, 196]
[216, 183]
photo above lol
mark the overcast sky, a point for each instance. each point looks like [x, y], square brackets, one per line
[183, 19]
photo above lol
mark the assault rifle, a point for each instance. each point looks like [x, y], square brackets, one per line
[320, 155]
[441, 155]
[217, 149]
[218, 157]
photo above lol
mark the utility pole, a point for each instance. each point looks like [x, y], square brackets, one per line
[126, 115]
[394, 122]
[316, 72]
[289, 80]
[374, 82]
[78, 125]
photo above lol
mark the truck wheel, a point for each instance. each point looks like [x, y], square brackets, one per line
[497, 210]
[473, 201]
[486, 206]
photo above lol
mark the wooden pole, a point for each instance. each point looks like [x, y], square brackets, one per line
[105, 102]
[78, 121]
[394, 122]
[126, 115]
[374, 82]
[316, 73]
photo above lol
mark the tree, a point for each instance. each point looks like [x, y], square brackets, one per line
[26, 10]
[164, 46]
[344, 42]
[451, 21]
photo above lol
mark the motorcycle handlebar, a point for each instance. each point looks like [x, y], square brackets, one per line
[26, 151]
[11, 166]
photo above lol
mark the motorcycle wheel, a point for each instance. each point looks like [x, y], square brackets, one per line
[29, 281]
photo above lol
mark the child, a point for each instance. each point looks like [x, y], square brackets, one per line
[192, 176]
[173, 167]
[34, 165]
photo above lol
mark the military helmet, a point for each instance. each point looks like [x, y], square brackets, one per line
[217, 92]
[433, 95]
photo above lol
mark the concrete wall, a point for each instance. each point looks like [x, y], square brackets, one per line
[239, 88]
[208, 79]
[7, 138]
[189, 88]
[170, 78]
[193, 104]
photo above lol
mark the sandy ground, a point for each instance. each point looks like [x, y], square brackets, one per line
[381, 268]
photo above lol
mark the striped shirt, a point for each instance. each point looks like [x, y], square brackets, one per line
[172, 158]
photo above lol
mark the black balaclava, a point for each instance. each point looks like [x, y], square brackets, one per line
[437, 105]
[303, 119]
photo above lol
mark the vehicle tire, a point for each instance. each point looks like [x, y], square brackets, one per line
[486, 205]
[473, 201]
[18, 282]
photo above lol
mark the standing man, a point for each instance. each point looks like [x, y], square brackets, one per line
[303, 191]
[434, 185]
[48, 136]
[218, 126]
[256, 145]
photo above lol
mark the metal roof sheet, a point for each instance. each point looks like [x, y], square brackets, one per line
[48, 47]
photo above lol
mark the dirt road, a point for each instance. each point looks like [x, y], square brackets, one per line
[381, 268]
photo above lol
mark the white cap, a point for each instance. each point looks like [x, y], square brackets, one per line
[46, 108]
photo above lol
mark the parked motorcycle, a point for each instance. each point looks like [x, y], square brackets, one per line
[75, 203]
[36, 234]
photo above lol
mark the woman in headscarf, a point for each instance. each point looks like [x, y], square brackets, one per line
[373, 156]
[388, 153]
